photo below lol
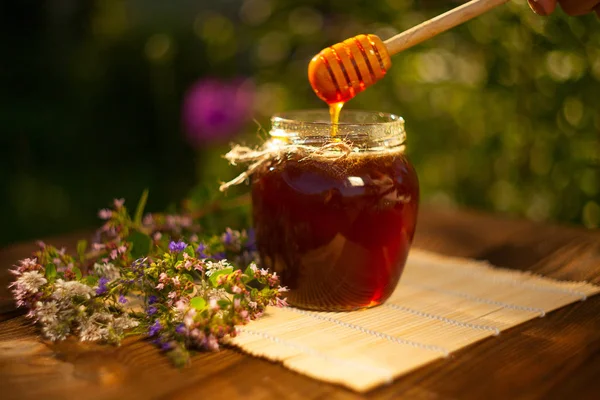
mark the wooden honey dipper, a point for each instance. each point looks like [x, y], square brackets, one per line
[340, 72]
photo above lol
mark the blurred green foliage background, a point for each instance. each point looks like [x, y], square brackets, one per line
[503, 113]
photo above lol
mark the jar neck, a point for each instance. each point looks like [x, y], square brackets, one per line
[364, 131]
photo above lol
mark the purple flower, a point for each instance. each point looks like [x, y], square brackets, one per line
[155, 328]
[151, 310]
[166, 346]
[152, 299]
[176, 247]
[180, 329]
[122, 299]
[139, 265]
[140, 262]
[227, 237]
[251, 241]
[101, 289]
[219, 256]
[201, 250]
[215, 110]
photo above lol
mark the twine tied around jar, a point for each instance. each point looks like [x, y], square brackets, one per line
[275, 150]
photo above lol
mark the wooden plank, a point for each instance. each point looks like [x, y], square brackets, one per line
[556, 356]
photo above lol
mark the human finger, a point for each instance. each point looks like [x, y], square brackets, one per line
[579, 7]
[542, 7]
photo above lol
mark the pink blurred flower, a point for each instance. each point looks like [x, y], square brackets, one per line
[119, 203]
[104, 213]
[215, 110]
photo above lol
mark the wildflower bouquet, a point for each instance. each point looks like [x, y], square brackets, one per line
[157, 275]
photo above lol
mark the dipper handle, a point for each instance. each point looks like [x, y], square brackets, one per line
[439, 24]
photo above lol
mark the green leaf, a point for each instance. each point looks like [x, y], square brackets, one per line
[190, 251]
[139, 211]
[81, 248]
[91, 280]
[248, 272]
[77, 272]
[217, 274]
[50, 272]
[202, 195]
[198, 303]
[223, 303]
[140, 244]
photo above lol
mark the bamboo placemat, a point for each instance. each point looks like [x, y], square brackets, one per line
[442, 304]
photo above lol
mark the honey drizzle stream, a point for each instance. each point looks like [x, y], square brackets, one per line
[334, 112]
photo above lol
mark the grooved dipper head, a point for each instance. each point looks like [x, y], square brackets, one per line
[340, 72]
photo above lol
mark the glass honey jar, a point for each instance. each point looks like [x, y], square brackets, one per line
[335, 215]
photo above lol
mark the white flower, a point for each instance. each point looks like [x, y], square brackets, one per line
[212, 267]
[216, 294]
[31, 281]
[123, 323]
[252, 305]
[212, 343]
[188, 320]
[253, 267]
[181, 305]
[67, 290]
[46, 313]
[107, 270]
[281, 302]
[56, 331]
[104, 326]
[95, 327]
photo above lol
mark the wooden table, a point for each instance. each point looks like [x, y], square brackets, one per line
[553, 357]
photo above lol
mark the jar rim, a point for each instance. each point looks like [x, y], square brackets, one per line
[365, 130]
[300, 116]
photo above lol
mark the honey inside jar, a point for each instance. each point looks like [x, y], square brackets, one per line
[336, 225]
